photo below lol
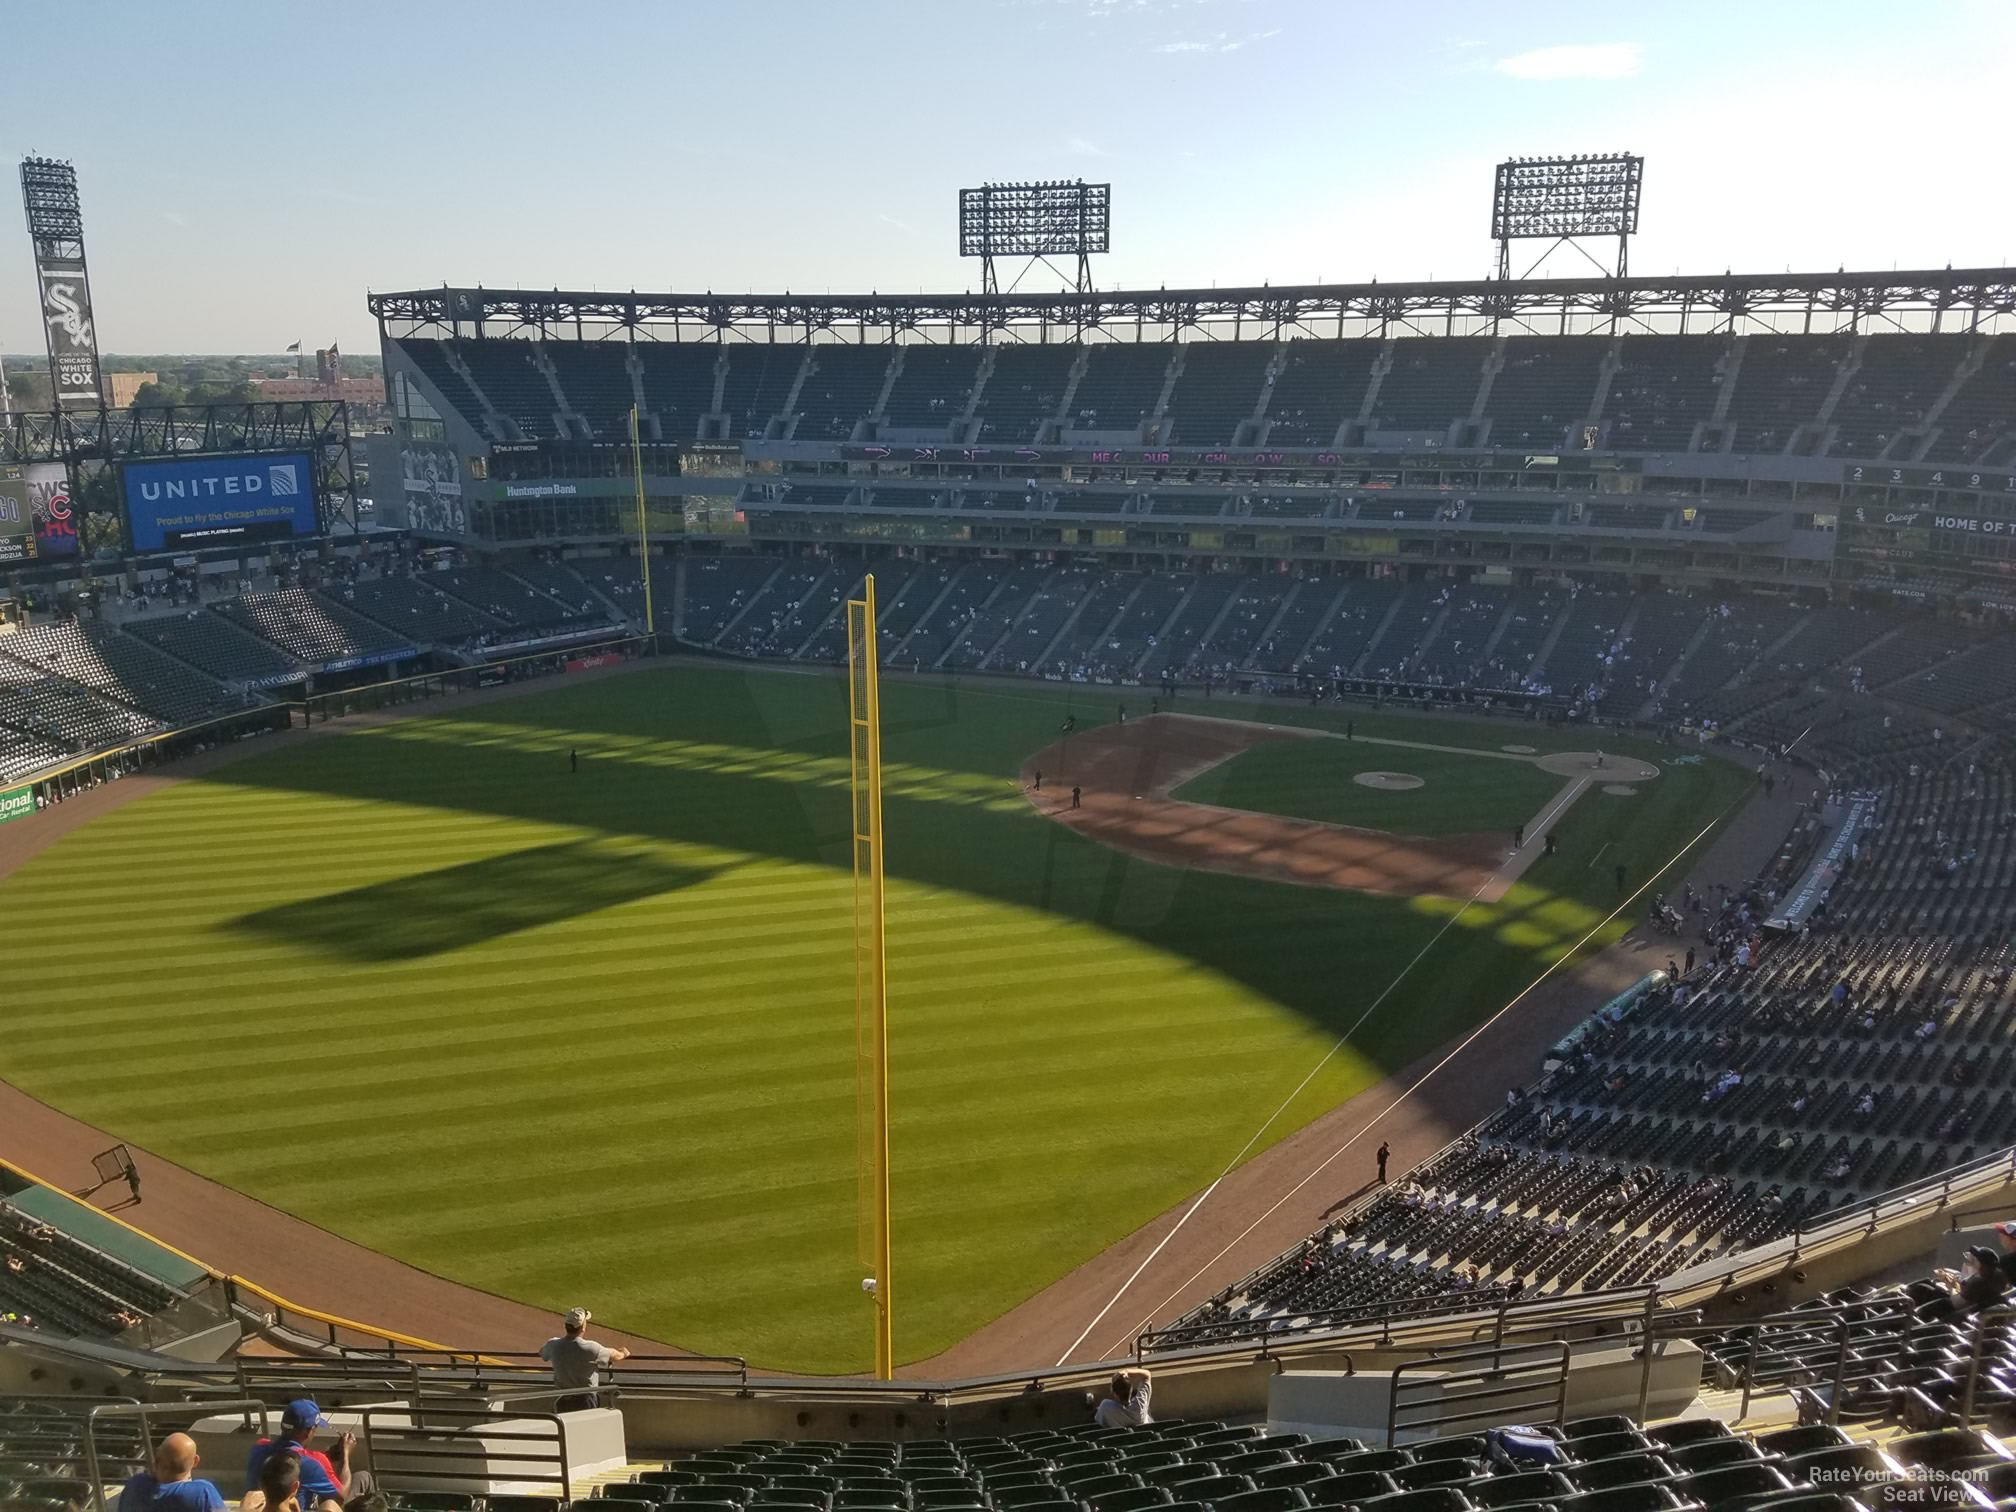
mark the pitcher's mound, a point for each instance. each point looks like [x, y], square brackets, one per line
[1597, 766]
[1388, 782]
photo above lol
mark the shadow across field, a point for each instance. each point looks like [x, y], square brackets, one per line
[429, 913]
[757, 768]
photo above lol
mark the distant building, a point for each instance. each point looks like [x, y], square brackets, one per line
[352, 390]
[122, 388]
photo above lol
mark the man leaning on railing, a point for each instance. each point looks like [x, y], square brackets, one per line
[577, 1361]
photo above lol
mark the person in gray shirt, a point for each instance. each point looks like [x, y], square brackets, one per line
[576, 1360]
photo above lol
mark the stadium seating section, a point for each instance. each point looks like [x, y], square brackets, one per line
[1593, 1464]
[1942, 398]
[213, 644]
[1873, 1051]
[122, 669]
[415, 610]
[53, 1281]
[307, 626]
[1868, 688]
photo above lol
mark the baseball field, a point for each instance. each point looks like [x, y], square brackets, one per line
[587, 1035]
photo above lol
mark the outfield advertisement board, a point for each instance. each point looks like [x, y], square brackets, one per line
[375, 659]
[17, 516]
[209, 501]
[16, 803]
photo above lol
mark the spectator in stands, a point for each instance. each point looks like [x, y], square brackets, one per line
[322, 1479]
[172, 1485]
[576, 1361]
[279, 1488]
[1126, 1402]
[2005, 1239]
[1978, 1284]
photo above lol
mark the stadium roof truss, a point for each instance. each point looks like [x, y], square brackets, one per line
[1789, 303]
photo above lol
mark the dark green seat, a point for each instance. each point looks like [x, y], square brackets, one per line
[1251, 1462]
[1214, 1489]
[1136, 1499]
[1085, 1487]
[1526, 1487]
[1024, 1493]
[1266, 1499]
[1294, 1473]
[1347, 1489]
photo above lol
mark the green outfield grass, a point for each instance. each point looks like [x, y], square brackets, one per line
[1312, 779]
[588, 1038]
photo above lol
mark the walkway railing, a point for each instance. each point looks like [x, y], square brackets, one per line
[147, 1413]
[1479, 1388]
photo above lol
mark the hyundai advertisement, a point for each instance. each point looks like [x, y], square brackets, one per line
[213, 501]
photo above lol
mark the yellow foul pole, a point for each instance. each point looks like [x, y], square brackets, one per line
[643, 531]
[871, 996]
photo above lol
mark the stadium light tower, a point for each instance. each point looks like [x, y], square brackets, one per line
[1037, 220]
[56, 226]
[1567, 200]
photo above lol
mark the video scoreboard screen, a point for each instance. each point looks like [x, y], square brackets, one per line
[212, 501]
[17, 515]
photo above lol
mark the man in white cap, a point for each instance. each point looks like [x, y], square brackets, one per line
[576, 1359]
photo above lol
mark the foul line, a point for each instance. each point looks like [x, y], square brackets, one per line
[1329, 1055]
[1371, 1123]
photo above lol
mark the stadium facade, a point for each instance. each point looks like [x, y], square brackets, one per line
[1820, 432]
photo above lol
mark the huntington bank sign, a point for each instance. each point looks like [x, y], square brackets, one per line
[16, 803]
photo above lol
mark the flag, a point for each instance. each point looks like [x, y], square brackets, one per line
[295, 348]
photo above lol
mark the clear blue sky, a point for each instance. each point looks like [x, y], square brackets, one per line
[250, 171]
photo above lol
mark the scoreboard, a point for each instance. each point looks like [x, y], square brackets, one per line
[17, 516]
[1967, 479]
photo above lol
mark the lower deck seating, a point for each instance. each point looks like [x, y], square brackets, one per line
[56, 1283]
[205, 640]
[1785, 1075]
[44, 1466]
[305, 625]
[1598, 1464]
[122, 669]
[414, 608]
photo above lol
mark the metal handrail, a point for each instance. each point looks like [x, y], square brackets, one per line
[23, 1437]
[1763, 1367]
[145, 1411]
[1409, 1309]
[1909, 1193]
[1860, 1218]
[287, 1377]
[1556, 1357]
[1981, 1321]
[470, 1416]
